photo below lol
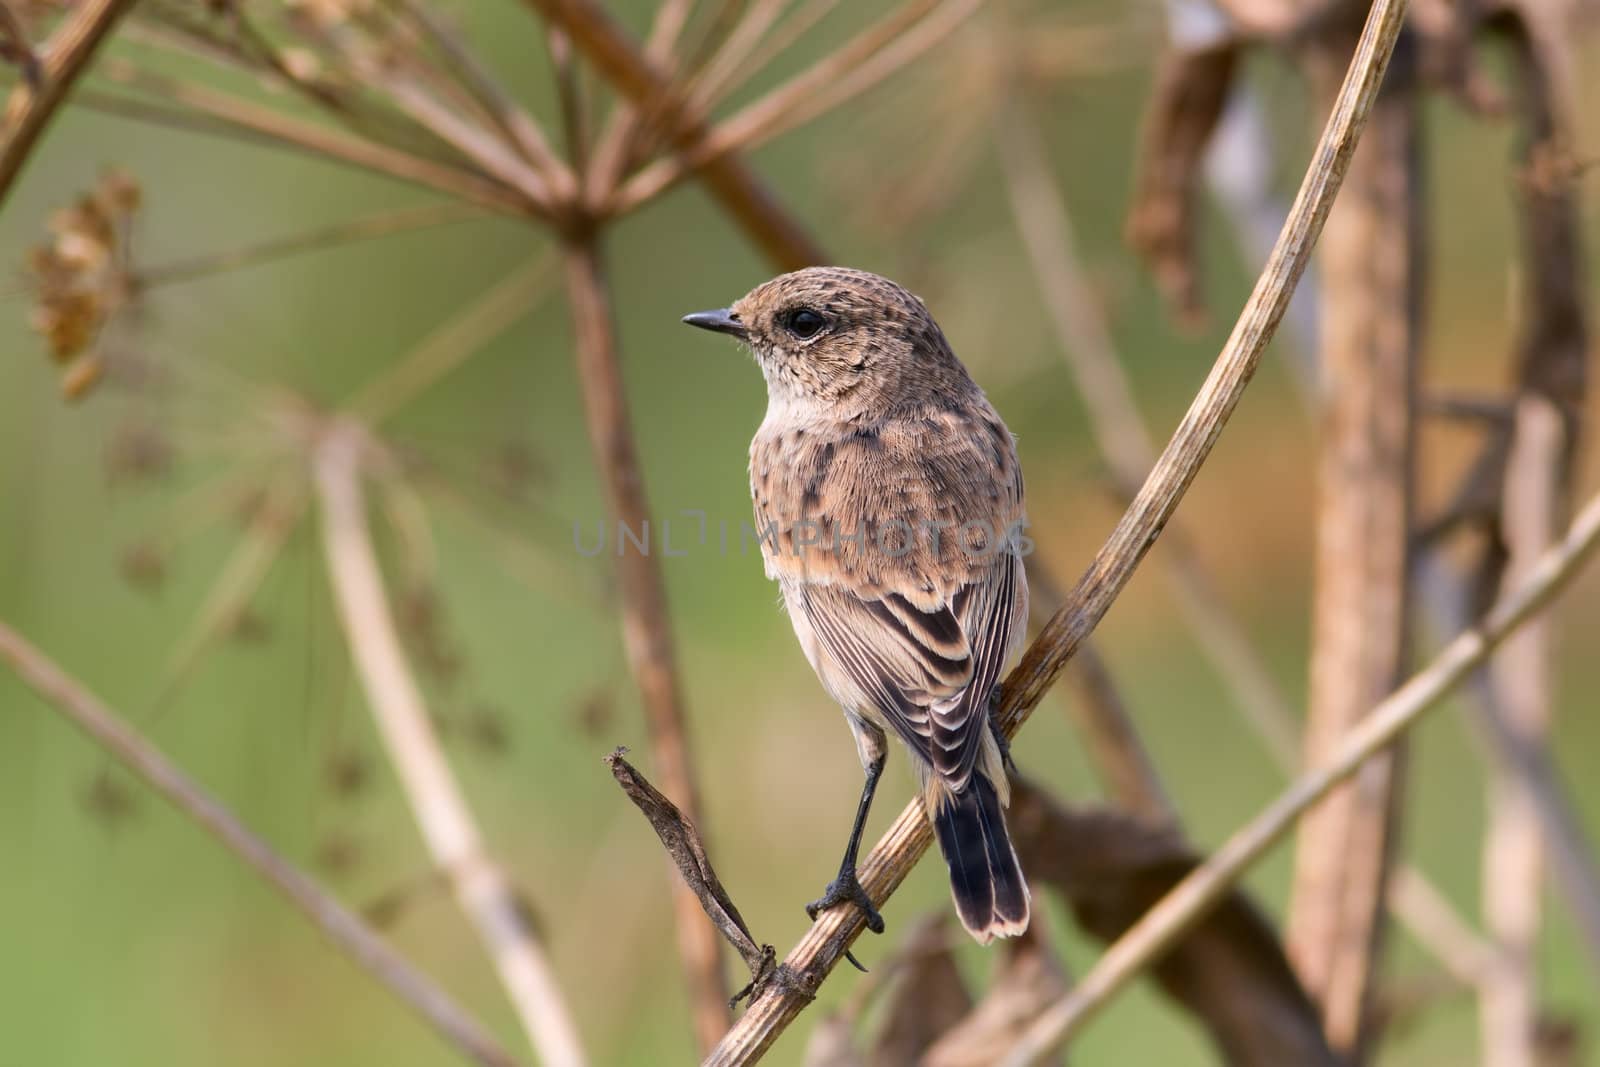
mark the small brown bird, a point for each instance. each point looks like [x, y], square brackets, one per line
[888, 504]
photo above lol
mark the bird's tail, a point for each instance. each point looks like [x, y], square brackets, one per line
[985, 878]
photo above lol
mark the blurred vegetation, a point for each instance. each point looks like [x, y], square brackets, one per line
[129, 938]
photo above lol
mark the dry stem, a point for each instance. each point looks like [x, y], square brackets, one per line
[63, 59]
[687, 850]
[1513, 853]
[481, 888]
[1371, 280]
[1046, 231]
[646, 628]
[739, 190]
[1192, 898]
[348, 933]
[191, 106]
[878, 52]
[894, 856]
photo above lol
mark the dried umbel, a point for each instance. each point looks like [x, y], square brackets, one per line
[81, 276]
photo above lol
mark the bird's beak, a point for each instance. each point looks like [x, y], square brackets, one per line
[719, 321]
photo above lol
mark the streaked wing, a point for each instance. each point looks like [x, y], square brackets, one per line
[928, 672]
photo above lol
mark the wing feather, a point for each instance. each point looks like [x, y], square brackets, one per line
[936, 703]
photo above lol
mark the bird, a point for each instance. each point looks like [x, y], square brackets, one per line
[889, 503]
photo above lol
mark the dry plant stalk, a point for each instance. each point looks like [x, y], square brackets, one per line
[1370, 297]
[746, 199]
[906, 841]
[1552, 373]
[1026, 977]
[1197, 894]
[346, 932]
[481, 888]
[926, 995]
[1513, 853]
[60, 62]
[1228, 970]
[1551, 360]
[646, 630]
[687, 850]
[1115, 750]
[1160, 223]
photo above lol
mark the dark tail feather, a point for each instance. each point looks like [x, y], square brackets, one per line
[985, 878]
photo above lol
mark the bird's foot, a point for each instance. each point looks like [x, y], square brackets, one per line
[847, 889]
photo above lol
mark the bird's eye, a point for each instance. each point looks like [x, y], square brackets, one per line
[804, 323]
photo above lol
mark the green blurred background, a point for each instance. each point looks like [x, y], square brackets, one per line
[127, 937]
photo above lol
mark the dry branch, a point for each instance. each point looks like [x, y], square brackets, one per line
[740, 191]
[1115, 749]
[688, 852]
[926, 996]
[1513, 856]
[481, 888]
[186, 106]
[61, 61]
[1552, 360]
[1027, 977]
[1191, 90]
[1193, 898]
[408, 220]
[1528, 813]
[515, 122]
[1370, 267]
[1228, 970]
[1042, 222]
[347, 933]
[906, 841]
[646, 627]
[898, 39]
[1044, 225]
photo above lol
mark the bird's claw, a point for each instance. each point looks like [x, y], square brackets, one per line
[847, 889]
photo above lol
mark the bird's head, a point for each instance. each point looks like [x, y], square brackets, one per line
[840, 338]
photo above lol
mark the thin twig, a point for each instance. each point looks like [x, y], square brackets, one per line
[185, 105]
[347, 933]
[617, 143]
[718, 78]
[727, 177]
[454, 341]
[389, 222]
[1191, 899]
[481, 888]
[868, 59]
[492, 153]
[515, 120]
[1465, 956]
[1117, 751]
[1513, 852]
[1105, 726]
[16, 48]
[1042, 222]
[687, 850]
[906, 841]
[64, 58]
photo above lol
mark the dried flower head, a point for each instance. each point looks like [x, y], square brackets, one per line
[81, 276]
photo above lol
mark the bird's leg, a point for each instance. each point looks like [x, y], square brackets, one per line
[847, 887]
[996, 693]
